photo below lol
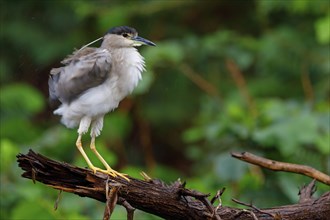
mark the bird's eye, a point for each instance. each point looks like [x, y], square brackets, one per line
[125, 35]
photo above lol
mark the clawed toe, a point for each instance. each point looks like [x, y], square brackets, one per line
[111, 172]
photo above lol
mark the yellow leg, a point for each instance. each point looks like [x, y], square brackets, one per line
[108, 170]
[81, 150]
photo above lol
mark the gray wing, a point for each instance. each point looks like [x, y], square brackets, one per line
[84, 69]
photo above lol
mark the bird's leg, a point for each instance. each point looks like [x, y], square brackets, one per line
[81, 150]
[108, 170]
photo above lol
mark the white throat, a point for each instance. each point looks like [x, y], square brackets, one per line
[129, 67]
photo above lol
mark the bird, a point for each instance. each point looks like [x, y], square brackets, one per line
[93, 81]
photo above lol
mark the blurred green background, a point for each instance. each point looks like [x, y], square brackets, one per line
[225, 76]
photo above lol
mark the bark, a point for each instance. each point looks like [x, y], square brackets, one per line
[281, 166]
[153, 196]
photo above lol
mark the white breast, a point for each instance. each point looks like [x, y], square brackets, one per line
[129, 65]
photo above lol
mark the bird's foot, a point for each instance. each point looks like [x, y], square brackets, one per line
[114, 173]
[95, 169]
[111, 172]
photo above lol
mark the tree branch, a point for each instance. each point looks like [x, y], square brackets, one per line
[153, 196]
[281, 166]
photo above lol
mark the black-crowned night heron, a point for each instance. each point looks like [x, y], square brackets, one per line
[93, 81]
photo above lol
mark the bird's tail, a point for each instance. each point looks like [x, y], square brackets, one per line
[68, 119]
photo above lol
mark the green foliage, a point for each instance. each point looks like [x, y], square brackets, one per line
[223, 162]
[8, 150]
[19, 103]
[283, 123]
[117, 125]
[322, 27]
[20, 100]
[191, 109]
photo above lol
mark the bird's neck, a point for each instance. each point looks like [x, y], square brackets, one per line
[128, 56]
[129, 66]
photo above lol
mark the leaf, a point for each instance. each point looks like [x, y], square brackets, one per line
[322, 27]
[9, 150]
[289, 126]
[20, 100]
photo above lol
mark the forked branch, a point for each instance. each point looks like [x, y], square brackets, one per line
[153, 196]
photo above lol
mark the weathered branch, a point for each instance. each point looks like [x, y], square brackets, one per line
[282, 166]
[153, 196]
[306, 192]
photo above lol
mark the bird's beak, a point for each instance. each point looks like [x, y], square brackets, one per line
[138, 41]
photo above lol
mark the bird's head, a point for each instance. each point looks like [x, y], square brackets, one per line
[124, 36]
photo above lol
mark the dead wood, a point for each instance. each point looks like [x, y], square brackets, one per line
[282, 166]
[153, 196]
